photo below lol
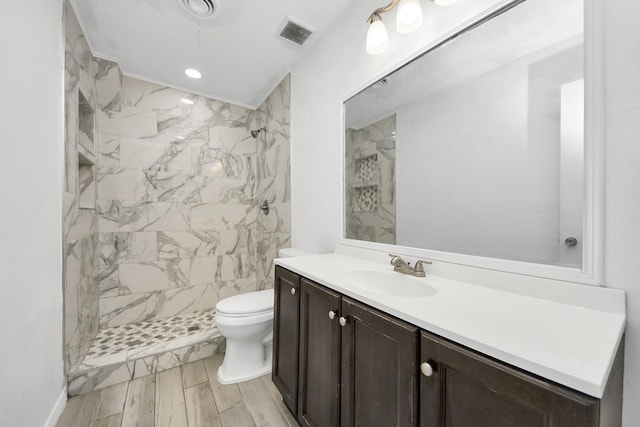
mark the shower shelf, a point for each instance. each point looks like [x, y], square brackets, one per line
[86, 148]
[365, 184]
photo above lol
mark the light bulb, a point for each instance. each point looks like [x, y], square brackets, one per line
[444, 2]
[377, 38]
[409, 17]
[194, 74]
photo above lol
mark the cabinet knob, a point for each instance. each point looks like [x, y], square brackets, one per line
[427, 369]
[293, 291]
[343, 321]
[332, 314]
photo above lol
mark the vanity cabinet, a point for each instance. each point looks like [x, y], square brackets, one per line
[285, 336]
[379, 373]
[339, 362]
[319, 372]
[339, 382]
[461, 388]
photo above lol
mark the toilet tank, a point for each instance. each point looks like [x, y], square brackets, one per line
[292, 252]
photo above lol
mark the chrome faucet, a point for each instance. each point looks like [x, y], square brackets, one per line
[403, 267]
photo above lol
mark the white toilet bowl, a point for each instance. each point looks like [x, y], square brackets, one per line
[246, 321]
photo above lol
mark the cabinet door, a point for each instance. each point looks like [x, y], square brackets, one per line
[285, 336]
[319, 398]
[470, 390]
[379, 370]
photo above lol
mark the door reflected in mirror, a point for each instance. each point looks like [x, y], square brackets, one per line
[477, 146]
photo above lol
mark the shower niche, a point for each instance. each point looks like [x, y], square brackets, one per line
[86, 154]
[370, 181]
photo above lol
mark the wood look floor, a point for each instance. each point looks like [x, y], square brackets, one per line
[187, 396]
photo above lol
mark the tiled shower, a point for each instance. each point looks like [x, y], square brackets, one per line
[162, 218]
[370, 200]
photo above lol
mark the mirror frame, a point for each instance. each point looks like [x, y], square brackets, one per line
[592, 271]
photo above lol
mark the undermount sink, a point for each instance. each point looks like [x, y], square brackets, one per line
[389, 283]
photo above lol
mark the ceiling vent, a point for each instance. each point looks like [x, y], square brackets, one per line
[294, 32]
[201, 9]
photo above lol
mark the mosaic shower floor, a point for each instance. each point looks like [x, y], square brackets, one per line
[133, 341]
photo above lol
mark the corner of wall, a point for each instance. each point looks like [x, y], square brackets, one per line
[57, 409]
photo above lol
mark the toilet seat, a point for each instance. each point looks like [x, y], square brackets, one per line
[245, 305]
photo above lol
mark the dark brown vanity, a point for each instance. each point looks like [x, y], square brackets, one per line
[339, 362]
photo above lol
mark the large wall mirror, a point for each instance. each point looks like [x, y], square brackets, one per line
[477, 147]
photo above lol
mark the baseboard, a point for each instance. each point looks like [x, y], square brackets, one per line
[57, 409]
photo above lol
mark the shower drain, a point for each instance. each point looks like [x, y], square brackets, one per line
[201, 9]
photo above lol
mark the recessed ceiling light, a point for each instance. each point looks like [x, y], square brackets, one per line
[187, 101]
[194, 74]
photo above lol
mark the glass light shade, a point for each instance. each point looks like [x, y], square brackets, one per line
[444, 2]
[409, 17]
[377, 38]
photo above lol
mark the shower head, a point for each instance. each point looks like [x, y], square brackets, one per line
[256, 132]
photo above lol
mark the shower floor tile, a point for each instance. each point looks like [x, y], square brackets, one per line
[133, 341]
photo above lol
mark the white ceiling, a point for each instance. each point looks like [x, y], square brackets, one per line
[238, 52]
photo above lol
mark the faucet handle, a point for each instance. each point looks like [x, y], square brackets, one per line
[418, 267]
[395, 258]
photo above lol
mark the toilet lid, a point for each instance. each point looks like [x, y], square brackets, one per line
[249, 303]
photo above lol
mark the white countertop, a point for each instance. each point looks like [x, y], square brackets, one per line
[569, 344]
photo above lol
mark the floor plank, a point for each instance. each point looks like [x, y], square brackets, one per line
[170, 408]
[111, 401]
[164, 400]
[263, 409]
[277, 398]
[193, 373]
[79, 410]
[140, 403]
[201, 409]
[111, 421]
[238, 416]
[226, 396]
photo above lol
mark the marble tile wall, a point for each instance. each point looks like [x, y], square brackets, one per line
[274, 230]
[80, 225]
[370, 188]
[178, 180]
[178, 186]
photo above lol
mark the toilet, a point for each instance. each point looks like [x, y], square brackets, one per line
[246, 321]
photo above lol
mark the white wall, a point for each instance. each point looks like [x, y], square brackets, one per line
[622, 208]
[31, 169]
[338, 66]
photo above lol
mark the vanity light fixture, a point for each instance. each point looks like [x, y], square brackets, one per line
[377, 37]
[408, 19]
[194, 74]
[444, 2]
